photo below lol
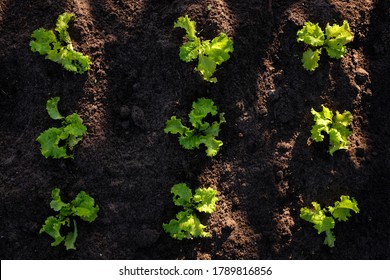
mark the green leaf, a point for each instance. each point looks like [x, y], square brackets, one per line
[329, 238]
[186, 225]
[336, 38]
[175, 126]
[207, 66]
[71, 238]
[62, 27]
[310, 59]
[59, 49]
[341, 210]
[344, 119]
[205, 200]
[52, 108]
[311, 34]
[219, 48]
[49, 140]
[42, 41]
[52, 227]
[190, 50]
[57, 204]
[182, 195]
[317, 217]
[84, 207]
[213, 145]
[323, 121]
[188, 25]
[200, 109]
[338, 138]
[73, 125]
[323, 223]
[190, 140]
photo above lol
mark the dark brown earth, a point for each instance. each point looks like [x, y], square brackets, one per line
[267, 168]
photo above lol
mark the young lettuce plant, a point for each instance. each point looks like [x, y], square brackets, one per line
[336, 126]
[82, 206]
[324, 219]
[333, 40]
[209, 54]
[59, 142]
[57, 46]
[202, 132]
[187, 224]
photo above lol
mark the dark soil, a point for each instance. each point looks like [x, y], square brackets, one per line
[267, 168]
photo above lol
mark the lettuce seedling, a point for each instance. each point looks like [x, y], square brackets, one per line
[187, 224]
[202, 132]
[57, 46]
[324, 219]
[333, 40]
[209, 54]
[334, 125]
[59, 142]
[82, 206]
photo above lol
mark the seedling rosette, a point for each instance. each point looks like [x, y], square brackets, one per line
[59, 142]
[57, 46]
[333, 40]
[324, 218]
[335, 125]
[209, 53]
[83, 206]
[202, 132]
[187, 224]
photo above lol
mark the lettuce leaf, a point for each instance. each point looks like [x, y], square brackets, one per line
[342, 209]
[205, 200]
[311, 34]
[59, 48]
[310, 59]
[186, 225]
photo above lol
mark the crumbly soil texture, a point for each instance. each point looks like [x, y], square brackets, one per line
[266, 170]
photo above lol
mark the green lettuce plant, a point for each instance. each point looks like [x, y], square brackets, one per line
[59, 142]
[208, 53]
[187, 224]
[83, 206]
[324, 218]
[202, 132]
[335, 125]
[333, 40]
[57, 46]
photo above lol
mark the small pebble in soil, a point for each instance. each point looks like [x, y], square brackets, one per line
[125, 124]
[138, 117]
[124, 112]
[359, 152]
[361, 76]
[279, 174]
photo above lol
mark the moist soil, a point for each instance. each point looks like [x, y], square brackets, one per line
[267, 168]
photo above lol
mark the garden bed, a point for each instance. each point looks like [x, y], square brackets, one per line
[267, 168]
